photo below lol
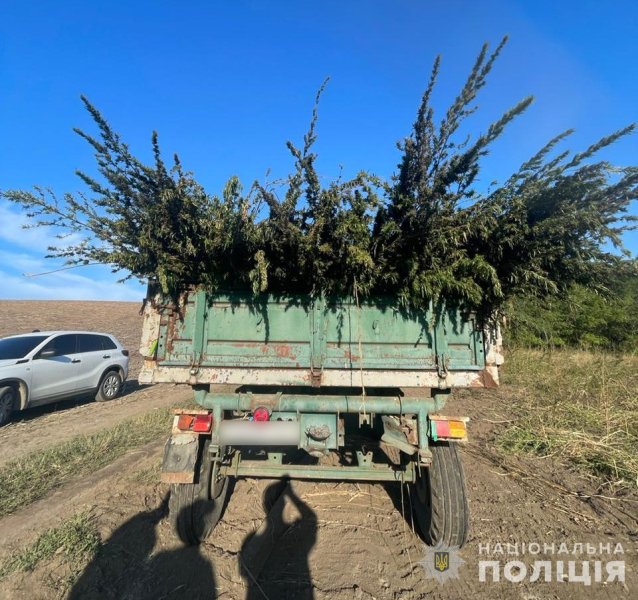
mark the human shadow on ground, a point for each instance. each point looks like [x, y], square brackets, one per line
[125, 567]
[274, 561]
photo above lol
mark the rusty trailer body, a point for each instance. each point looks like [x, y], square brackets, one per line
[310, 387]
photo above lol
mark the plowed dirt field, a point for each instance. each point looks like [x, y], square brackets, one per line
[350, 541]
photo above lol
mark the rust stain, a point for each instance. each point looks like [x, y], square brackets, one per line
[477, 382]
[488, 379]
[484, 380]
[284, 351]
[189, 411]
[280, 350]
[170, 333]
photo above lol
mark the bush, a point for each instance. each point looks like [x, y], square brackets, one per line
[427, 236]
[581, 318]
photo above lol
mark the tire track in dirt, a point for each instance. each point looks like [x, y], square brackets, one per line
[356, 546]
[362, 547]
[37, 429]
[78, 494]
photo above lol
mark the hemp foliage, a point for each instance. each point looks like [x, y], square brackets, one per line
[427, 235]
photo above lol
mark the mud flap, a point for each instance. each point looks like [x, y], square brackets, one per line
[180, 458]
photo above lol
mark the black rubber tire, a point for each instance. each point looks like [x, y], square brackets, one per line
[439, 502]
[8, 398]
[195, 508]
[110, 386]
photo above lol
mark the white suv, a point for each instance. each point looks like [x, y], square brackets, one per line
[46, 366]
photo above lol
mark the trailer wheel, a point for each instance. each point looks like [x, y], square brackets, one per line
[195, 508]
[440, 504]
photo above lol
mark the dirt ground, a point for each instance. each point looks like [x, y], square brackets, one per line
[40, 427]
[350, 541]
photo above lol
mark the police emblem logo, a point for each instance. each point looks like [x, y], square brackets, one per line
[441, 561]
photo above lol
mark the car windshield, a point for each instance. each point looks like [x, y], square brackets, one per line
[18, 347]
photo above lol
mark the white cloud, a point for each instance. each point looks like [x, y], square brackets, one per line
[62, 286]
[20, 261]
[22, 253]
[12, 232]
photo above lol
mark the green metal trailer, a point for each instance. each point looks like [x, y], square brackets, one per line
[316, 388]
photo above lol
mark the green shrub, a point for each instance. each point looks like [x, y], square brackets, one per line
[426, 235]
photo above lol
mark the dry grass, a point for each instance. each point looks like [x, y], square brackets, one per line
[76, 541]
[30, 478]
[580, 406]
[149, 475]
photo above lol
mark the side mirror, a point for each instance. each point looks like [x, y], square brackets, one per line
[48, 353]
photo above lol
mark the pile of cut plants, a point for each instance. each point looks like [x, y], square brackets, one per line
[431, 233]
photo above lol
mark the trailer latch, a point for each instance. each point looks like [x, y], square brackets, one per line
[315, 377]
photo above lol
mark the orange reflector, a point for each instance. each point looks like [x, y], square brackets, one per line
[185, 422]
[457, 429]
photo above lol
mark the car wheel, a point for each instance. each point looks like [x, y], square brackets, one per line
[7, 402]
[110, 387]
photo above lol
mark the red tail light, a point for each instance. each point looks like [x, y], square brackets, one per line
[195, 423]
[261, 413]
[125, 352]
[202, 423]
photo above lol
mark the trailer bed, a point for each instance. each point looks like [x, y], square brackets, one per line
[240, 339]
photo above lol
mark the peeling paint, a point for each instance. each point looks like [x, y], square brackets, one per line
[250, 361]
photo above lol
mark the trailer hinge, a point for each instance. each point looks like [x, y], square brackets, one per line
[442, 363]
[315, 377]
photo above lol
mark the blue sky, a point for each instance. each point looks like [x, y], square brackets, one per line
[227, 83]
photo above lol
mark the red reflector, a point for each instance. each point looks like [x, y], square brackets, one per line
[261, 414]
[185, 422]
[442, 429]
[202, 423]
